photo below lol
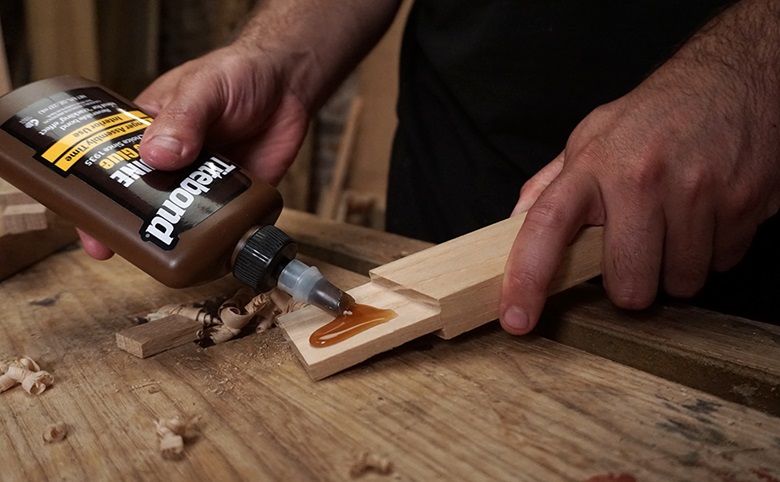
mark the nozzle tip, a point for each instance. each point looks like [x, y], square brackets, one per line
[345, 302]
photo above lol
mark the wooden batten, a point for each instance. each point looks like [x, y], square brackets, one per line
[157, 336]
[447, 289]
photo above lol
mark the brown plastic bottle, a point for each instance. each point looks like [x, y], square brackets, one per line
[73, 146]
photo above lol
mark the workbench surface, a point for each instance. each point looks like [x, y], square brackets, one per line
[484, 406]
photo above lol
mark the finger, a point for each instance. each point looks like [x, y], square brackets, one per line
[550, 225]
[534, 187]
[93, 247]
[176, 135]
[733, 238]
[690, 229]
[633, 248]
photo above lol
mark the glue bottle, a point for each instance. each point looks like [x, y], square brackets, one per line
[73, 146]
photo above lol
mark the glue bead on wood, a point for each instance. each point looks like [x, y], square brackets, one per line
[73, 145]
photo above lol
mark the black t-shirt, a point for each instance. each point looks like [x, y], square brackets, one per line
[490, 91]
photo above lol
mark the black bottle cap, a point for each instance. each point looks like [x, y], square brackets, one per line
[264, 254]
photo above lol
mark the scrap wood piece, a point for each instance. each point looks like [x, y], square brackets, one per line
[10, 195]
[17, 251]
[157, 336]
[177, 324]
[447, 289]
[21, 218]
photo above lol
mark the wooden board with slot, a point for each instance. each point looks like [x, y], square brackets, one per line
[448, 289]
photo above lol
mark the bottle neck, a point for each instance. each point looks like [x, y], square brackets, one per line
[261, 255]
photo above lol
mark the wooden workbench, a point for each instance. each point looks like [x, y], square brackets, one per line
[485, 406]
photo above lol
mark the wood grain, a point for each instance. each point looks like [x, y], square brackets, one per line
[448, 289]
[18, 251]
[355, 248]
[158, 336]
[21, 218]
[486, 406]
[724, 355]
[731, 357]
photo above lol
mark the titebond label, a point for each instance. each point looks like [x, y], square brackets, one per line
[89, 134]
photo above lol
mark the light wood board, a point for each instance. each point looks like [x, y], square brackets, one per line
[486, 406]
[449, 289]
[728, 356]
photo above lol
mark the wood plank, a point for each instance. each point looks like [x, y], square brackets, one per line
[734, 358]
[158, 336]
[18, 251]
[10, 196]
[21, 218]
[355, 248]
[671, 340]
[486, 406]
[449, 289]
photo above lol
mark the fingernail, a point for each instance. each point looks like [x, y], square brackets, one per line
[166, 149]
[515, 319]
[521, 207]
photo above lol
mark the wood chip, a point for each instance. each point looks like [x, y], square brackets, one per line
[366, 461]
[55, 432]
[173, 432]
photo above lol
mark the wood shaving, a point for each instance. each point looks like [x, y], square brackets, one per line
[35, 383]
[366, 461]
[231, 315]
[6, 383]
[172, 433]
[26, 371]
[55, 432]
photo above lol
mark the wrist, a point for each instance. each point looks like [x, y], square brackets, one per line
[313, 44]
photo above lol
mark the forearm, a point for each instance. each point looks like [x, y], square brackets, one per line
[317, 41]
[740, 46]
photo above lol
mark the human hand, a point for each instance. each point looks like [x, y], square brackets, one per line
[238, 100]
[680, 172]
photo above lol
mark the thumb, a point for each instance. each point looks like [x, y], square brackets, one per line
[534, 187]
[175, 137]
